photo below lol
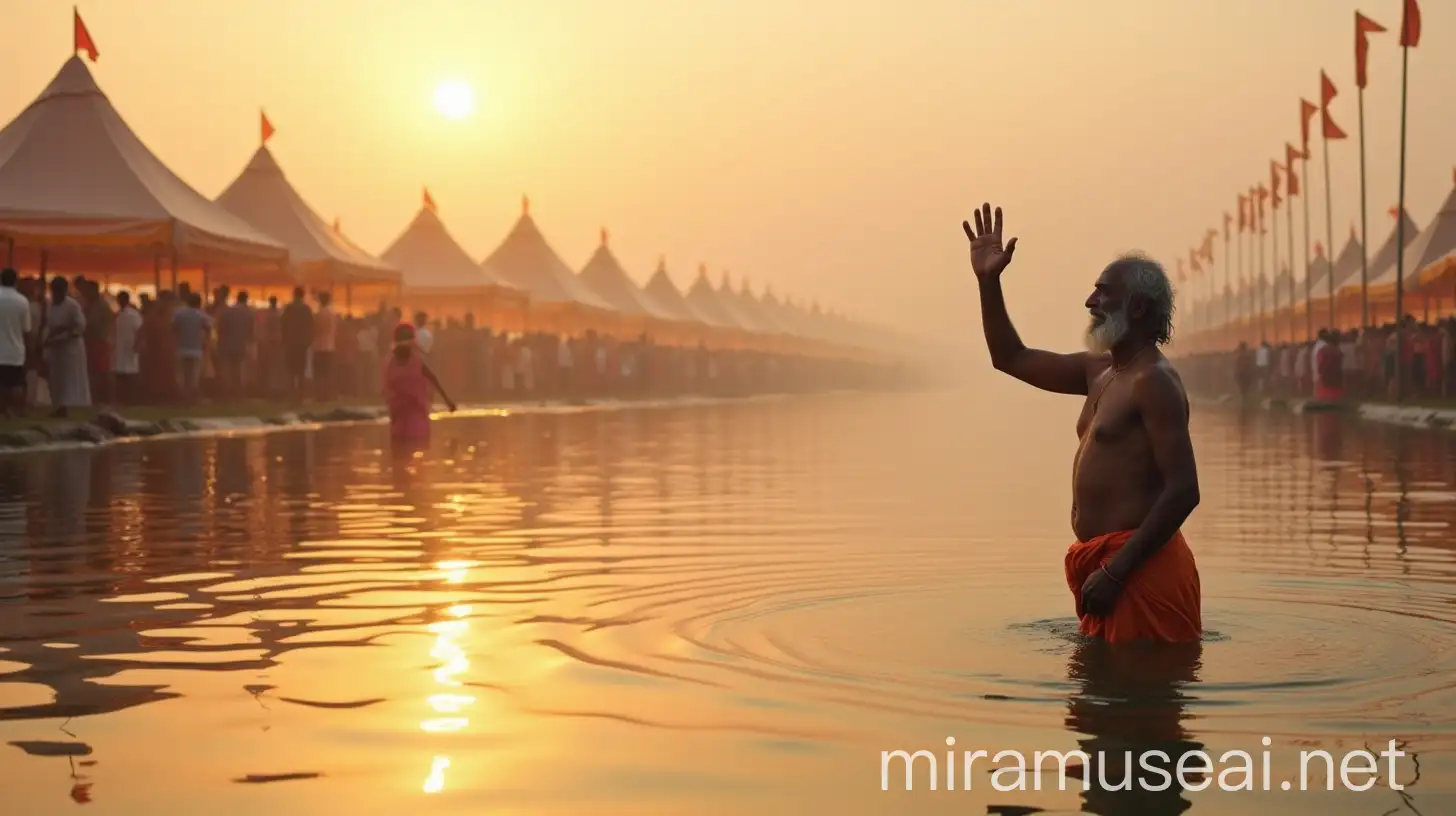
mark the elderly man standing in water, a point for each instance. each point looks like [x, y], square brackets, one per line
[1134, 481]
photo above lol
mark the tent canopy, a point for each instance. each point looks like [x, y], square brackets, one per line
[1436, 242]
[431, 259]
[753, 306]
[667, 297]
[526, 261]
[262, 196]
[606, 278]
[76, 182]
[1381, 268]
[704, 299]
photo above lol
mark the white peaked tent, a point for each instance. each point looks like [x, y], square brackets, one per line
[321, 257]
[1429, 259]
[560, 302]
[79, 191]
[442, 280]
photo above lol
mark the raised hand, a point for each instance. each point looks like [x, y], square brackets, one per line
[988, 256]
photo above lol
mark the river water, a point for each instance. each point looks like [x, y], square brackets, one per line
[706, 608]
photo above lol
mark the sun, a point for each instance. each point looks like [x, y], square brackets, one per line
[454, 99]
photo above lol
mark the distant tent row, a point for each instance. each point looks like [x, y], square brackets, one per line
[1246, 313]
[81, 194]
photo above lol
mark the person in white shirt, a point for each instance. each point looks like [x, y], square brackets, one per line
[424, 338]
[1261, 366]
[126, 361]
[15, 328]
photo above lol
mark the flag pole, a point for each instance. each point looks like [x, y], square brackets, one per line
[1289, 215]
[1329, 232]
[1400, 228]
[1259, 282]
[1308, 284]
[1364, 234]
[1274, 255]
[1228, 289]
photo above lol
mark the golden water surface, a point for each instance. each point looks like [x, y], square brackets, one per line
[702, 608]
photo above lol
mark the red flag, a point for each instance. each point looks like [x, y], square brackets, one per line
[525, 204]
[267, 127]
[1193, 261]
[429, 200]
[1243, 212]
[604, 236]
[1394, 212]
[1274, 184]
[1319, 249]
[1258, 195]
[1292, 185]
[81, 38]
[1327, 95]
[1228, 220]
[1307, 110]
[1410, 26]
[1363, 26]
[1207, 252]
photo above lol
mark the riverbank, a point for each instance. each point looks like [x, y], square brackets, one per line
[105, 427]
[97, 427]
[1425, 414]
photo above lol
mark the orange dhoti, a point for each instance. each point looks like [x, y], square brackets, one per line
[1160, 601]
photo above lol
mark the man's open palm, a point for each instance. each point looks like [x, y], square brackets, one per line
[988, 256]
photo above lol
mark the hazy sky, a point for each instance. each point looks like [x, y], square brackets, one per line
[831, 148]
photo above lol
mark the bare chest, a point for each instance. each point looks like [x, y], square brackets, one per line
[1108, 414]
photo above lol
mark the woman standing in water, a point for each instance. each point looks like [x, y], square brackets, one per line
[407, 384]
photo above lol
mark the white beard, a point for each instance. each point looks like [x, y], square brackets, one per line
[1101, 337]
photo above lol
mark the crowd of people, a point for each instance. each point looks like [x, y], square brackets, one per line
[81, 346]
[1353, 364]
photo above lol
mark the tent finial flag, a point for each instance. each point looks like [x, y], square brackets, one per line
[265, 126]
[81, 38]
[429, 201]
[338, 226]
[604, 236]
[525, 204]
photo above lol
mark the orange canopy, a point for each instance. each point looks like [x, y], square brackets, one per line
[77, 184]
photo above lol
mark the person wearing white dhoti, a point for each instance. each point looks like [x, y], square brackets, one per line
[65, 351]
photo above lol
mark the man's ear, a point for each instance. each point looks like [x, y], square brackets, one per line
[1137, 307]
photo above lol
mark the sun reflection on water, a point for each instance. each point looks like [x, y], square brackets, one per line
[450, 703]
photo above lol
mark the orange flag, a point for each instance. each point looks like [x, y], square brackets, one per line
[1193, 262]
[338, 226]
[1394, 212]
[429, 200]
[1363, 26]
[1319, 249]
[1410, 26]
[266, 126]
[1274, 184]
[81, 38]
[525, 204]
[1292, 185]
[604, 236]
[1243, 212]
[1327, 95]
[1228, 220]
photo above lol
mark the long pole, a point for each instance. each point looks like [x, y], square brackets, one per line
[1274, 266]
[1289, 214]
[1364, 236]
[1228, 286]
[1329, 234]
[1259, 282]
[1308, 284]
[1244, 311]
[1400, 238]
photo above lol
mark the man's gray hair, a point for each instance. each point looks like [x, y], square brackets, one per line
[1145, 278]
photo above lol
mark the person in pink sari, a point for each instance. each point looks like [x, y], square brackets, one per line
[407, 389]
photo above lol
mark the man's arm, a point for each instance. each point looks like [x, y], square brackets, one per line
[1047, 370]
[1164, 411]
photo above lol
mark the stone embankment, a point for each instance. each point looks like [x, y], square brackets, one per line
[111, 427]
